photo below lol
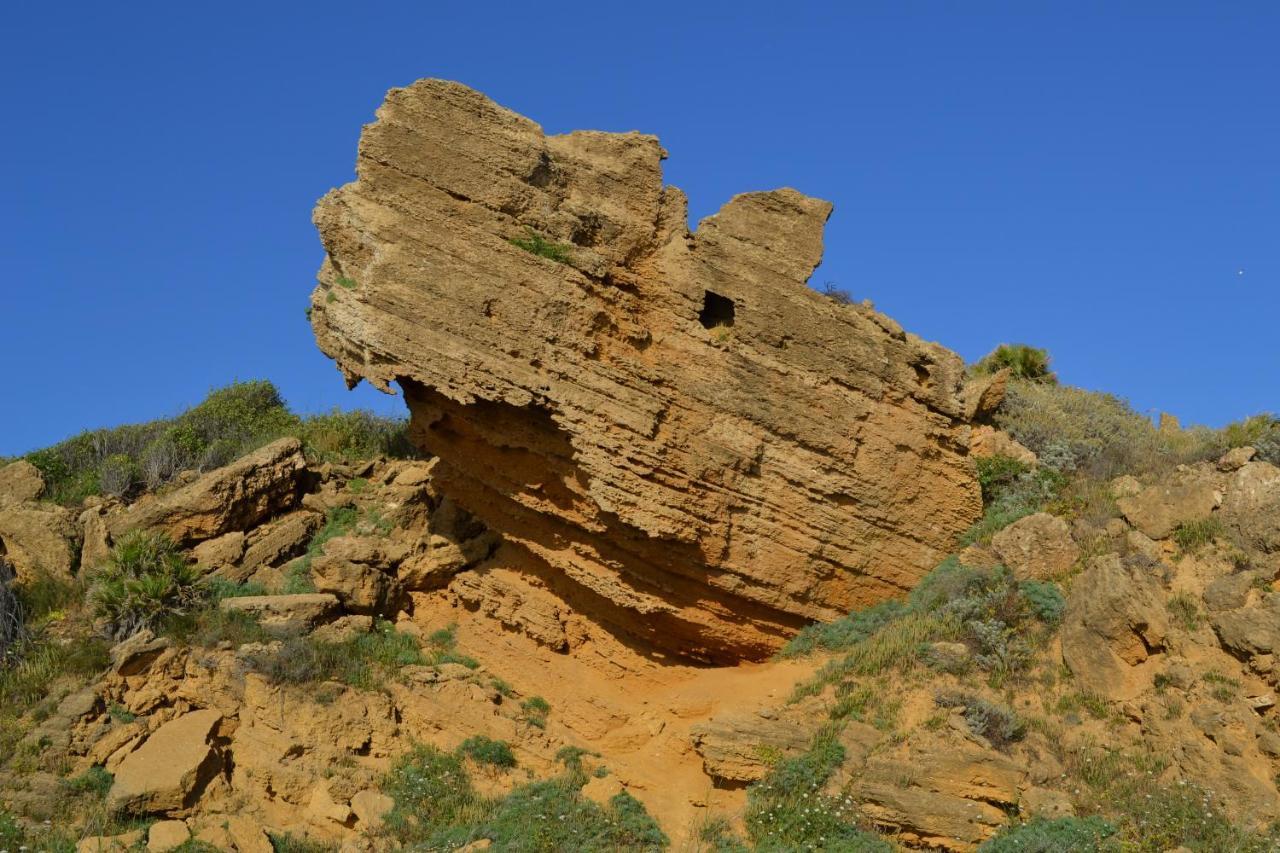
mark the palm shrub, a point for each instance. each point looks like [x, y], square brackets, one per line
[146, 581]
[1022, 360]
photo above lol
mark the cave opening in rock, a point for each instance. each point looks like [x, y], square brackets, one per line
[716, 311]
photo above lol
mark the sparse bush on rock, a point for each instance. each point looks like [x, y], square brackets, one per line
[997, 723]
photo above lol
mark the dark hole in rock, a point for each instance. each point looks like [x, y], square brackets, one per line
[716, 311]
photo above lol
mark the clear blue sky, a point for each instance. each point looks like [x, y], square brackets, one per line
[1086, 176]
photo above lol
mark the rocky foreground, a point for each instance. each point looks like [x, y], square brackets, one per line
[693, 558]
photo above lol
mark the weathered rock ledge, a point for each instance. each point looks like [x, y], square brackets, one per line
[697, 449]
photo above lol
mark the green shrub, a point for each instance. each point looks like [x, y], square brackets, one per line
[229, 423]
[718, 837]
[1191, 536]
[1023, 361]
[1062, 835]
[209, 626]
[845, 632]
[484, 750]
[997, 723]
[146, 581]
[356, 435]
[1255, 431]
[1045, 600]
[999, 619]
[289, 843]
[538, 245]
[12, 620]
[786, 810]
[1185, 611]
[95, 781]
[362, 662]
[1010, 491]
[1072, 429]
[437, 808]
[534, 711]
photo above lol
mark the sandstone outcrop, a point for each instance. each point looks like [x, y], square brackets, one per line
[39, 538]
[700, 451]
[20, 481]
[1038, 546]
[233, 498]
[169, 770]
[1115, 620]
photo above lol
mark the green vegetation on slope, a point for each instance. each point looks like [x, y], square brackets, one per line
[230, 422]
[437, 808]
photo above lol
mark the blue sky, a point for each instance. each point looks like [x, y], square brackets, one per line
[1086, 176]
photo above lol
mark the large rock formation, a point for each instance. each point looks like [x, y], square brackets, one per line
[697, 449]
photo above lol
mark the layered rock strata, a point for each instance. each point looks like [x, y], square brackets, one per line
[698, 450]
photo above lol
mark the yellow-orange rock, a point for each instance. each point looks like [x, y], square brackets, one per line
[700, 451]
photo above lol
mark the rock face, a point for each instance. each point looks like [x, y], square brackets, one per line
[699, 450]
[1115, 620]
[39, 538]
[234, 498]
[20, 481]
[1038, 546]
[171, 768]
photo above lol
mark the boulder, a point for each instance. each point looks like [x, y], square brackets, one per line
[20, 482]
[110, 843]
[941, 796]
[96, 545]
[742, 747]
[1114, 620]
[298, 612]
[1252, 505]
[1037, 547]
[982, 395]
[135, 654]
[283, 538]
[358, 587]
[1250, 631]
[1231, 592]
[220, 552]
[169, 771]
[704, 453]
[343, 628]
[235, 497]
[1236, 458]
[1156, 510]
[371, 808]
[986, 442]
[39, 538]
[455, 541]
[166, 835]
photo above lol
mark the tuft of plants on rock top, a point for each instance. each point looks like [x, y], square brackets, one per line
[1022, 360]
